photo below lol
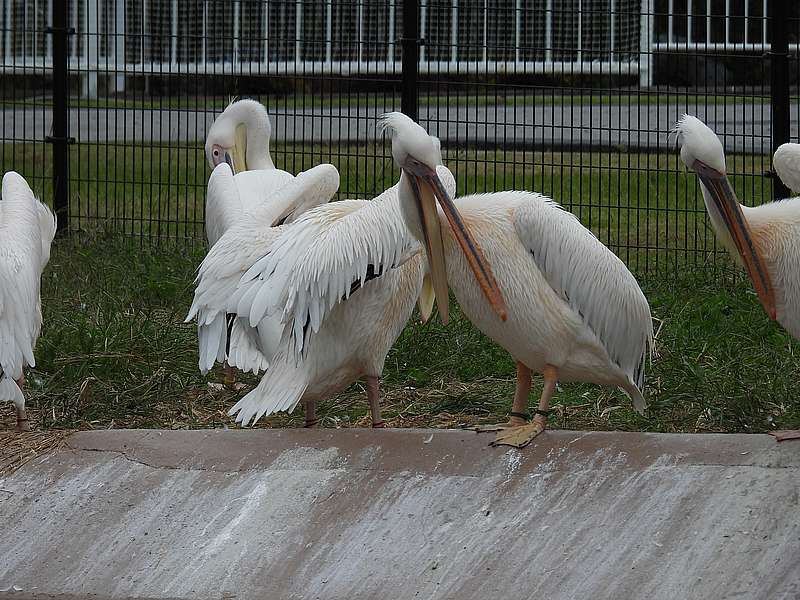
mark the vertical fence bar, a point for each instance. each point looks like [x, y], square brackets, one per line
[646, 44]
[173, 47]
[548, 31]
[390, 50]
[60, 137]
[410, 46]
[9, 26]
[329, 32]
[119, 45]
[779, 84]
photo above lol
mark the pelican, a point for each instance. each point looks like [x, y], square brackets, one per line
[27, 228]
[764, 239]
[244, 242]
[786, 162]
[239, 138]
[373, 304]
[524, 271]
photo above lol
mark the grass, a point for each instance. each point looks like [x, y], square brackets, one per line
[115, 352]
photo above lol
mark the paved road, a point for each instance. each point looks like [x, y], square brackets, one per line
[747, 125]
[403, 514]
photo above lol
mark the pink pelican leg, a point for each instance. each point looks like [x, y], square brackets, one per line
[522, 435]
[23, 424]
[311, 414]
[373, 395]
[519, 409]
[229, 375]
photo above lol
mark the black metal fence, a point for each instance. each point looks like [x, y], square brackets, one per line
[106, 102]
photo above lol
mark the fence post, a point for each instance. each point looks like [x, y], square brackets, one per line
[60, 137]
[779, 83]
[410, 65]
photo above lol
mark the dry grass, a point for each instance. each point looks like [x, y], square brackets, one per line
[16, 449]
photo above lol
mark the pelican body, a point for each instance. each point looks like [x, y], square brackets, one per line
[362, 326]
[240, 138]
[525, 272]
[245, 186]
[764, 239]
[27, 229]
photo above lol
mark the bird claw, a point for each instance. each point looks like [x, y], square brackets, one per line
[513, 422]
[518, 437]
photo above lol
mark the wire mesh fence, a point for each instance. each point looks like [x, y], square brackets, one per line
[111, 100]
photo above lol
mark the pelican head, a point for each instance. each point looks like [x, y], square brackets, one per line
[418, 154]
[701, 151]
[240, 137]
[786, 162]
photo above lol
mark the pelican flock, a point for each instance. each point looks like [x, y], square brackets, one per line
[27, 229]
[524, 271]
[315, 293]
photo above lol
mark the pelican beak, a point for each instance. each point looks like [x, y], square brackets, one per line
[427, 186]
[238, 152]
[426, 298]
[728, 206]
[229, 162]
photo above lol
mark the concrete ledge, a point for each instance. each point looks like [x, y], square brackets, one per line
[356, 513]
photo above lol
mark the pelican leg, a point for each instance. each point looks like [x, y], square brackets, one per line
[311, 414]
[373, 386]
[519, 409]
[229, 376]
[521, 436]
[23, 424]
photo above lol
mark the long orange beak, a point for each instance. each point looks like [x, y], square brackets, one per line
[726, 202]
[427, 186]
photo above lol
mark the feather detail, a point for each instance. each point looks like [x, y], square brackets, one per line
[591, 279]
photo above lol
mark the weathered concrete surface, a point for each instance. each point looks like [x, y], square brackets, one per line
[403, 514]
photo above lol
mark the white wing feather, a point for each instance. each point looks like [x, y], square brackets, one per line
[786, 162]
[223, 203]
[244, 242]
[27, 228]
[315, 264]
[591, 279]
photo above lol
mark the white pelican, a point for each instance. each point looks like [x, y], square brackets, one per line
[244, 242]
[373, 303]
[764, 239]
[562, 303]
[27, 228]
[239, 138]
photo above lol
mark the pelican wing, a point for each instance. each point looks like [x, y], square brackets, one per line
[327, 255]
[786, 162]
[245, 241]
[27, 228]
[591, 279]
[298, 195]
